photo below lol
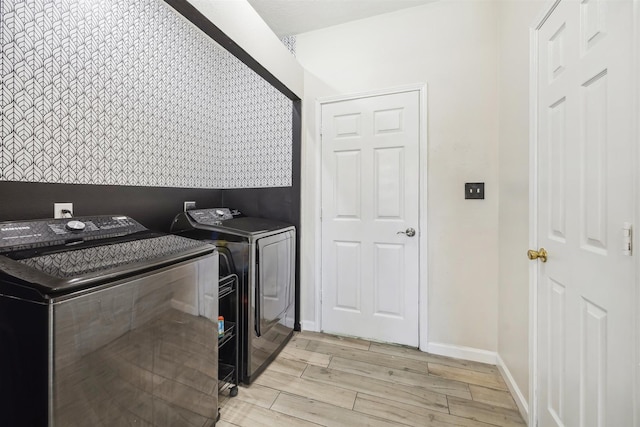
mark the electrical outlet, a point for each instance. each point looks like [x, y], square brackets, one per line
[58, 209]
[189, 206]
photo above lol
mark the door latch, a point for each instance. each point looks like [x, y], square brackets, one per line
[627, 243]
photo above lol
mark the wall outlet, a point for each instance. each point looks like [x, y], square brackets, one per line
[189, 206]
[58, 209]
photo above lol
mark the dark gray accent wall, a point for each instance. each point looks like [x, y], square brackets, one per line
[153, 207]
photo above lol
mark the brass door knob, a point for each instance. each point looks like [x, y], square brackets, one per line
[541, 253]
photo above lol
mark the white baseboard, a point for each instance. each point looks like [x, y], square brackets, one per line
[523, 405]
[460, 352]
[309, 325]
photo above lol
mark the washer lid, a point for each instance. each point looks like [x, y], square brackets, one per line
[61, 266]
[252, 226]
[242, 226]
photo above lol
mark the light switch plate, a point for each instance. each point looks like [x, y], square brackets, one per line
[474, 190]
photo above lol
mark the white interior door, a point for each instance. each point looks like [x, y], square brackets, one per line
[585, 290]
[370, 201]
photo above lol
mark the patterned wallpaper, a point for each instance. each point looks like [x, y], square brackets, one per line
[130, 93]
[252, 132]
[290, 43]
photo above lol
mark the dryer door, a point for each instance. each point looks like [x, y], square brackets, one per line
[275, 277]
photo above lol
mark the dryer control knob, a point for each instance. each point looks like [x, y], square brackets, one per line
[75, 225]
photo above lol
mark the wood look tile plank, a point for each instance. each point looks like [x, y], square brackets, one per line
[325, 414]
[399, 376]
[490, 380]
[412, 353]
[243, 414]
[409, 414]
[392, 361]
[492, 397]
[416, 396]
[305, 356]
[287, 366]
[337, 340]
[483, 412]
[298, 342]
[314, 390]
[257, 394]
[327, 380]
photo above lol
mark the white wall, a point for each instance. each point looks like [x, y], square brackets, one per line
[474, 58]
[239, 21]
[452, 46]
[515, 17]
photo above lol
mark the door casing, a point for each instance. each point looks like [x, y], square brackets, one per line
[533, 204]
[421, 88]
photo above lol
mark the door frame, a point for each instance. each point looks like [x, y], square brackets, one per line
[423, 288]
[550, 6]
[636, 156]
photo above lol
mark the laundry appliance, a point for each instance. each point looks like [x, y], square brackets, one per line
[262, 253]
[105, 323]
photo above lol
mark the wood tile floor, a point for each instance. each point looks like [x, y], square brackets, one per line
[320, 379]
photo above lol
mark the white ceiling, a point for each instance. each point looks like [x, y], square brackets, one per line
[291, 17]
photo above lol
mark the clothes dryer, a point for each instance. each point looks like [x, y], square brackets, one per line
[262, 254]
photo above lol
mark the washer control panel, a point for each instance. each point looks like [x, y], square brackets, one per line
[212, 216]
[75, 225]
[20, 235]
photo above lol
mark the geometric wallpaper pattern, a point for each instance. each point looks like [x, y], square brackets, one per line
[290, 43]
[123, 92]
[252, 132]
